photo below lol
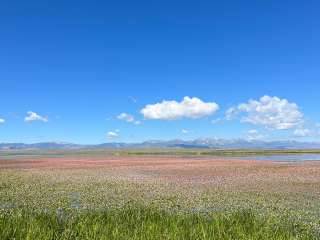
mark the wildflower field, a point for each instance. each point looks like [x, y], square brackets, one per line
[115, 196]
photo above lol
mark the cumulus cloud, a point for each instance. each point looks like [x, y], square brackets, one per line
[254, 134]
[137, 122]
[113, 135]
[231, 113]
[126, 117]
[271, 112]
[253, 131]
[32, 116]
[302, 132]
[215, 121]
[2, 120]
[172, 110]
[184, 131]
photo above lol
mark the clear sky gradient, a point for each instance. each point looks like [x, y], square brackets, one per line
[79, 64]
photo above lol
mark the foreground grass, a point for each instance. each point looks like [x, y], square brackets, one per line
[138, 222]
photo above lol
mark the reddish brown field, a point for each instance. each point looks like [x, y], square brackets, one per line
[119, 162]
[181, 169]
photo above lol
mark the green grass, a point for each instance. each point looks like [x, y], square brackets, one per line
[151, 151]
[140, 222]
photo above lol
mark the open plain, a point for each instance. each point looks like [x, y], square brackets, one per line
[287, 191]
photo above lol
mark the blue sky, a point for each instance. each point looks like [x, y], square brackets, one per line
[77, 65]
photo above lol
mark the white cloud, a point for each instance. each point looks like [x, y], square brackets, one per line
[271, 112]
[32, 116]
[137, 122]
[172, 110]
[253, 131]
[2, 120]
[215, 121]
[113, 135]
[231, 112]
[126, 117]
[303, 132]
[254, 134]
[184, 131]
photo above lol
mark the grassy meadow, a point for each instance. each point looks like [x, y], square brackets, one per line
[107, 195]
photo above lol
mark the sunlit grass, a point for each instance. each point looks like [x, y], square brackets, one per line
[140, 222]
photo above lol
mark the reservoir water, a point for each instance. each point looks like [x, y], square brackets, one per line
[286, 157]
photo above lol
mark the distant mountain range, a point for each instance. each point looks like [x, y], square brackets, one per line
[210, 143]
